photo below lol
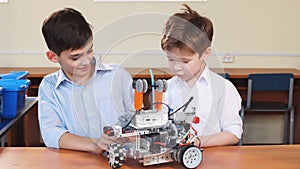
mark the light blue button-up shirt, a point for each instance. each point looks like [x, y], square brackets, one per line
[83, 109]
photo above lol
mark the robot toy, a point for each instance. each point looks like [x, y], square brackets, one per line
[153, 137]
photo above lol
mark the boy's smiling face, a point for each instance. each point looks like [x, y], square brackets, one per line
[76, 64]
[185, 64]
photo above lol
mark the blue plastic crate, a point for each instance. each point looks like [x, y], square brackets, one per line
[15, 75]
[13, 96]
[1, 101]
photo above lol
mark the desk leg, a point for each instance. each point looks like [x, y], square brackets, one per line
[15, 136]
[31, 127]
[3, 140]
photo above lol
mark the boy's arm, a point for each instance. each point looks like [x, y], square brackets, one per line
[75, 142]
[230, 121]
[51, 126]
[220, 139]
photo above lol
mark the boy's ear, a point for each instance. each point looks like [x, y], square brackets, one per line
[206, 54]
[52, 56]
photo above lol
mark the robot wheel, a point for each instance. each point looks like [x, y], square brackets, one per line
[115, 155]
[190, 156]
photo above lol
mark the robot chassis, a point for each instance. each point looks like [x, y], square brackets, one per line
[153, 137]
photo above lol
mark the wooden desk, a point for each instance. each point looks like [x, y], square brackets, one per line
[14, 127]
[231, 157]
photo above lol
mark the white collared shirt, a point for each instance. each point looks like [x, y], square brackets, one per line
[215, 100]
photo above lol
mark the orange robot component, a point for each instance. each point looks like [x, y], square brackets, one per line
[140, 87]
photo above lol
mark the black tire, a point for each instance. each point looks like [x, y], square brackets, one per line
[115, 155]
[190, 156]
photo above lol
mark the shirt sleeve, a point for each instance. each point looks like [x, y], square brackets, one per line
[230, 118]
[50, 122]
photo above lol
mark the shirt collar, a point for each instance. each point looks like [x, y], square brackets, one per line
[61, 77]
[99, 67]
[205, 76]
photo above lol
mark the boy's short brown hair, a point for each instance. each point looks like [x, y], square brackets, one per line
[66, 29]
[187, 31]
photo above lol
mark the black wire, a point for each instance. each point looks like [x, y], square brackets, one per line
[130, 119]
[183, 106]
[169, 109]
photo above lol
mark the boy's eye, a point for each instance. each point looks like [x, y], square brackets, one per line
[74, 59]
[171, 59]
[90, 51]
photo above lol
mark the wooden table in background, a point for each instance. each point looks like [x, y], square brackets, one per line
[228, 157]
[235, 73]
[40, 72]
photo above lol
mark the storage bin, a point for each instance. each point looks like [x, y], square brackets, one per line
[1, 102]
[13, 96]
[15, 75]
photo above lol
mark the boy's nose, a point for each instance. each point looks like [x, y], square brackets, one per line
[85, 60]
[177, 66]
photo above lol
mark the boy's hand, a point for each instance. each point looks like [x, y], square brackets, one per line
[105, 141]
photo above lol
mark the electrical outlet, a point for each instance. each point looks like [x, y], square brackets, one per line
[227, 58]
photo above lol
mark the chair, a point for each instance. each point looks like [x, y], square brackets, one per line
[271, 83]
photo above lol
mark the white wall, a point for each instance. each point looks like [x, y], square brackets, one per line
[260, 33]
